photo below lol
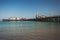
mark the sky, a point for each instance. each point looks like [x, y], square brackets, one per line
[28, 8]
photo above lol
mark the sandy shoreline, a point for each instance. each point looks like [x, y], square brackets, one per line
[31, 36]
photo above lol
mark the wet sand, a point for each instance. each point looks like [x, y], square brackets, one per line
[34, 35]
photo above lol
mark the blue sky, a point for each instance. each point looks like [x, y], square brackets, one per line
[28, 8]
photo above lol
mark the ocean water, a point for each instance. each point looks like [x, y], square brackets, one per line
[29, 30]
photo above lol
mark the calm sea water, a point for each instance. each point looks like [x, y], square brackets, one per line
[29, 30]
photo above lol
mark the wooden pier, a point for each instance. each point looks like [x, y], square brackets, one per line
[46, 19]
[49, 19]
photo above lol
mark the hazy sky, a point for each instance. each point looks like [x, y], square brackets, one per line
[28, 8]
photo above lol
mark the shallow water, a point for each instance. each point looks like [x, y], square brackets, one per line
[29, 30]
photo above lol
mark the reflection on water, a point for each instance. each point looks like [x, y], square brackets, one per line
[29, 30]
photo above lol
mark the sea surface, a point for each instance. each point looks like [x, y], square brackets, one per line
[29, 30]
